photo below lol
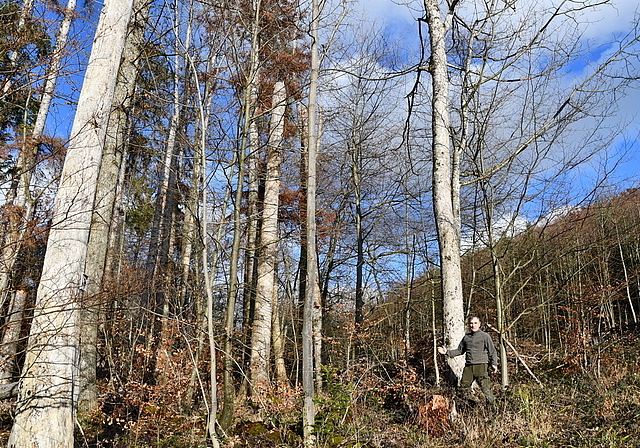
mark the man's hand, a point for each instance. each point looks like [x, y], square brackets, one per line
[494, 368]
[442, 350]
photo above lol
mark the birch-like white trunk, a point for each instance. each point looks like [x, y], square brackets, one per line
[47, 398]
[261, 335]
[444, 198]
[316, 312]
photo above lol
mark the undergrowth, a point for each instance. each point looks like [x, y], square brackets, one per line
[392, 406]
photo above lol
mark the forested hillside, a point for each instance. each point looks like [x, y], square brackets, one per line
[253, 222]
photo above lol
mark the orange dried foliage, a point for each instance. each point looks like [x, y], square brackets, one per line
[435, 415]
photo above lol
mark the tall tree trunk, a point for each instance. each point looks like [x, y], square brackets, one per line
[53, 70]
[192, 216]
[46, 406]
[497, 283]
[232, 292]
[165, 201]
[317, 312]
[406, 318]
[278, 343]
[105, 201]
[316, 334]
[261, 329]
[312, 289]
[444, 187]
[212, 403]
[212, 407]
[253, 229]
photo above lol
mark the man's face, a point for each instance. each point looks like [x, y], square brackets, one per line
[474, 324]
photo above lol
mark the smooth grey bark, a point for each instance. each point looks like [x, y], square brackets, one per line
[262, 320]
[232, 292]
[212, 403]
[406, 315]
[8, 390]
[488, 206]
[445, 187]
[53, 70]
[356, 166]
[280, 367]
[206, 312]
[191, 213]
[47, 399]
[161, 228]
[193, 235]
[253, 218]
[317, 309]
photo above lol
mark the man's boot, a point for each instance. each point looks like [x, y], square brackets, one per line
[490, 398]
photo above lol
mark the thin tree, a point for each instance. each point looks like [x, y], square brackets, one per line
[508, 153]
[312, 288]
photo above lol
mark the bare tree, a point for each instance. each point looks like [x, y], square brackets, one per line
[508, 154]
[446, 183]
[312, 288]
[248, 139]
[487, 62]
[9, 343]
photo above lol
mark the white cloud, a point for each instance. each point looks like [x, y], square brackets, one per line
[606, 19]
[557, 214]
[599, 21]
[389, 10]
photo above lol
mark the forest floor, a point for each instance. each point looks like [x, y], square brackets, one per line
[573, 407]
[584, 401]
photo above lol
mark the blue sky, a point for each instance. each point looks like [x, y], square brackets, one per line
[400, 22]
[600, 26]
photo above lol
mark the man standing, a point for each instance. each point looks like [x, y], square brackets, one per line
[479, 352]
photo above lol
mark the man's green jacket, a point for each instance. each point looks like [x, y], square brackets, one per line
[477, 347]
